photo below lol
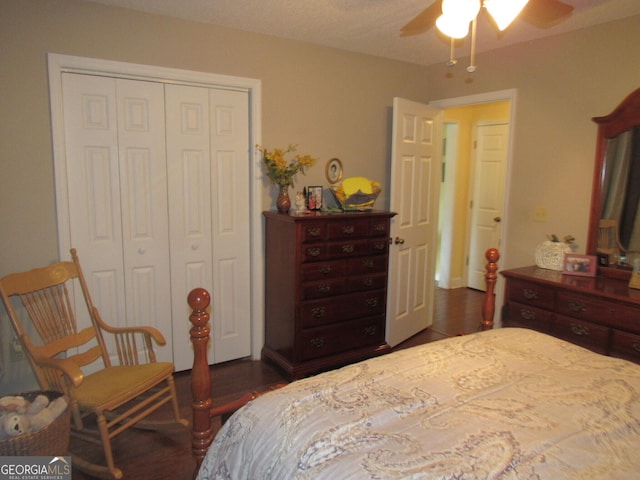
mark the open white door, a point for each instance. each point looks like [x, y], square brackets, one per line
[488, 197]
[415, 184]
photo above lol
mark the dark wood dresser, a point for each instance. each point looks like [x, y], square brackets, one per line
[599, 313]
[326, 289]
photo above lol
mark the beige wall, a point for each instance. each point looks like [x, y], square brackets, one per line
[561, 83]
[332, 103]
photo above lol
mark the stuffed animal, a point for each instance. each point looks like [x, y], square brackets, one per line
[23, 416]
[13, 403]
[13, 424]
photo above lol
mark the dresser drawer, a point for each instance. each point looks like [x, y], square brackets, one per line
[367, 282]
[314, 252]
[379, 245]
[349, 248]
[590, 335]
[379, 227]
[323, 270]
[319, 342]
[582, 306]
[625, 345]
[626, 317]
[313, 232]
[348, 228]
[540, 296]
[324, 288]
[527, 316]
[341, 308]
[367, 265]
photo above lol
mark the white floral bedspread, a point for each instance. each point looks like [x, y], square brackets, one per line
[506, 403]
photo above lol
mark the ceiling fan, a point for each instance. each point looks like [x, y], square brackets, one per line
[453, 17]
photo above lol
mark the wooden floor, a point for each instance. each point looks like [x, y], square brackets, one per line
[167, 455]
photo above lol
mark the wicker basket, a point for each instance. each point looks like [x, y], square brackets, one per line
[50, 440]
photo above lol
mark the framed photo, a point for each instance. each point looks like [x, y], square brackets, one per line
[584, 265]
[314, 198]
[333, 170]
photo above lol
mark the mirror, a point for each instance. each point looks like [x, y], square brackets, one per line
[614, 224]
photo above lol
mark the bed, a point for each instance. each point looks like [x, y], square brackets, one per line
[500, 403]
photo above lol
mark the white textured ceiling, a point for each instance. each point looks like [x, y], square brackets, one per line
[369, 26]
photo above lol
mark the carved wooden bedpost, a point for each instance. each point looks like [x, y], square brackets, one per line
[489, 306]
[201, 433]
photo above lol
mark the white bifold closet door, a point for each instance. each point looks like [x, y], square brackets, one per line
[157, 181]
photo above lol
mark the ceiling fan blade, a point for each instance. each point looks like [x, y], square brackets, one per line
[546, 13]
[423, 21]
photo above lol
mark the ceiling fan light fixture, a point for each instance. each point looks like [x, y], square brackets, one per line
[462, 9]
[504, 11]
[452, 26]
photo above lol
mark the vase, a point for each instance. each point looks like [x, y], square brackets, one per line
[283, 202]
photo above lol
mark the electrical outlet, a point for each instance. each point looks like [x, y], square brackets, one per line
[540, 214]
[16, 352]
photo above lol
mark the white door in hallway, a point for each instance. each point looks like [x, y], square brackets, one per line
[415, 184]
[491, 150]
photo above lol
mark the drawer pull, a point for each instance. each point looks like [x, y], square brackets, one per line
[379, 227]
[348, 229]
[371, 302]
[325, 269]
[367, 282]
[318, 312]
[314, 232]
[370, 331]
[579, 330]
[313, 252]
[324, 288]
[367, 263]
[529, 294]
[348, 248]
[635, 346]
[577, 307]
[379, 246]
[317, 342]
[527, 314]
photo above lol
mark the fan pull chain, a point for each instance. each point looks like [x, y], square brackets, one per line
[452, 60]
[472, 62]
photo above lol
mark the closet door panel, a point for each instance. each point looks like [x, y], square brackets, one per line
[143, 193]
[189, 189]
[93, 190]
[231, 223]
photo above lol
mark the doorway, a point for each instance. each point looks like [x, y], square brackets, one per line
[460, 154]
[460, 114]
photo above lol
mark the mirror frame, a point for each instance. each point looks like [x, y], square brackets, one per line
[625, 116]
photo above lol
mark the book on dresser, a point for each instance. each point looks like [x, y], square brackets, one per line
[325, 289]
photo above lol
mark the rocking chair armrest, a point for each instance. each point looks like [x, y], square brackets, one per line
[68, 368]
[147, 331]
[42, 358]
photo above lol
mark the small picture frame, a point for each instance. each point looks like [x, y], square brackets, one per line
[583, 265]
[314, 198]
[333, 171]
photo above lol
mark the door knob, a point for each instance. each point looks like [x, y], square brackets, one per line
[497, 219]
[399, 241]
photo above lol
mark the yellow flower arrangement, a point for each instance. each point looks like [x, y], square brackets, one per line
[281, 171]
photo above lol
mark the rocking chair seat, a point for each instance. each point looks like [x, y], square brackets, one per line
[109, 388]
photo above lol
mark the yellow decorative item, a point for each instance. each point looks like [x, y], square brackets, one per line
[356, 193]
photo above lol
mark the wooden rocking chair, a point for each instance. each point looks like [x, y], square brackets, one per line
[119, 396]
